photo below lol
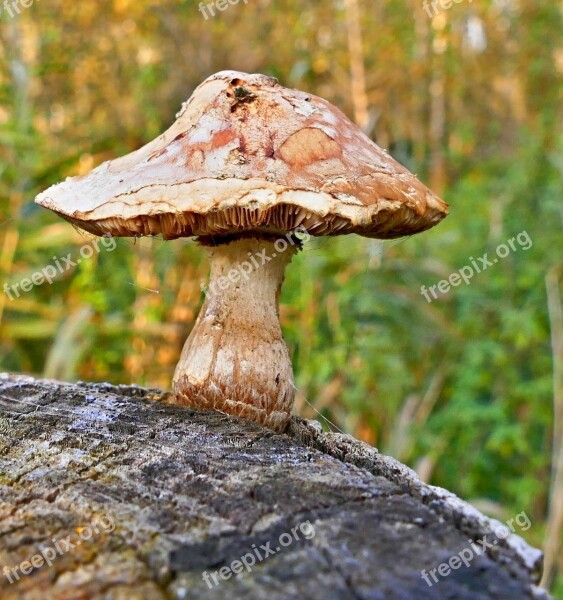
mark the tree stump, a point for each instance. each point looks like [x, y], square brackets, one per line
[140, 499]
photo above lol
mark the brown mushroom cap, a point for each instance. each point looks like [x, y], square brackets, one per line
[248, 156]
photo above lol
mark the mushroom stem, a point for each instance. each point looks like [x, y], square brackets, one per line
[235, 359]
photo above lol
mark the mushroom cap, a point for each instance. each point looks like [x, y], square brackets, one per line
[248, 156]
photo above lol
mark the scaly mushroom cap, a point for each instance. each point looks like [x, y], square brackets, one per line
[248, 156]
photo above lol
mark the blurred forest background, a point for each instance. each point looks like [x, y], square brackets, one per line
[467, 389]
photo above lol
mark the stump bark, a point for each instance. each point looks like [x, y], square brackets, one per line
[169, 493]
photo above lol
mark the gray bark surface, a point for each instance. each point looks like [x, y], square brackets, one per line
[192, 491]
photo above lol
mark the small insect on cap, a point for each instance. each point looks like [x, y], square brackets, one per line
[247, 155]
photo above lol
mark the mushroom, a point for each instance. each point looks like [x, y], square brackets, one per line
[246, 166]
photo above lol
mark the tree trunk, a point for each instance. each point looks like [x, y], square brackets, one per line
[129, 497]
